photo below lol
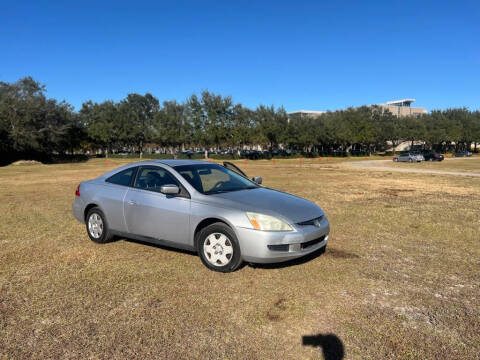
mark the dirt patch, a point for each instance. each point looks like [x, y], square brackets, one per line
[276, 312]
[26, 162]
[455, 167]
[395, 192]
[340, 254]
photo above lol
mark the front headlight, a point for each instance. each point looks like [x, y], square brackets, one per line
[267, 223]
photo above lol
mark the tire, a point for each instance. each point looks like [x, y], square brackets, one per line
[97, 226]
[431, 159]
[395, 159]
[218, 247]
[410, 160]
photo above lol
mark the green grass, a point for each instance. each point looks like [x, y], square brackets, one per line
[399, 278]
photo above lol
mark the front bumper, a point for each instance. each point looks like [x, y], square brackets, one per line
[270, 246]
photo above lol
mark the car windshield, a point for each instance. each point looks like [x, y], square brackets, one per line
[213, 178]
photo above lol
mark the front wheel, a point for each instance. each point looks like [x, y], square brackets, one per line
[218, 248]
[410, 160]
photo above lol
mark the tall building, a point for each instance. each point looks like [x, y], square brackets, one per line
[403, 108]
[307, 113]
[396, 107]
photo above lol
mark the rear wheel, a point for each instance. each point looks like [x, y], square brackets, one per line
[97, 227]
[218, 248]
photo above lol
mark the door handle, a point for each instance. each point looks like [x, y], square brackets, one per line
[131, 202]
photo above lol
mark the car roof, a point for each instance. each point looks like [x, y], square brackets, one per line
[168, 162]
[173, 163]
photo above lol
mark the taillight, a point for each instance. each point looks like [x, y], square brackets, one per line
[77, 192]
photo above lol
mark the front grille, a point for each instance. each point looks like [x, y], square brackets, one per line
[311, 222]
[312, 242]
[281, 247]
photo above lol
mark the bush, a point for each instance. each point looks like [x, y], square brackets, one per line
[11, 157]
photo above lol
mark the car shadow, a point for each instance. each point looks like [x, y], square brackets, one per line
[332, 252]
[330, 344]
[167, 248]
[289, 263]
[158, 246]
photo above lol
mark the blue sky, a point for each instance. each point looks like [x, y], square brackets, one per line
[314, 55]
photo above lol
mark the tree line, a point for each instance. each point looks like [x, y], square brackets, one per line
[33, 125]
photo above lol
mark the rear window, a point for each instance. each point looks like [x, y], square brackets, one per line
[123, 177]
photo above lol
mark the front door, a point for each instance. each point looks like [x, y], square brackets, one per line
[154, 215]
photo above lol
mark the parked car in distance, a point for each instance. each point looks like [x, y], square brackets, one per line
[201, 206]
[408, 157]
[433, 156]
[462, 154]
[419, 156]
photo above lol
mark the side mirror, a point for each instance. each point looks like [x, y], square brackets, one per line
[169, 189]
[257, 179]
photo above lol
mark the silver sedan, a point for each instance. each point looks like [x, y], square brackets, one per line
[409, 157]
[211, 209]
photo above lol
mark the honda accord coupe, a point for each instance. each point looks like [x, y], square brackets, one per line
[214, 210]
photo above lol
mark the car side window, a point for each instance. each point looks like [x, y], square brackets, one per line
[153, 178]
[124, 177]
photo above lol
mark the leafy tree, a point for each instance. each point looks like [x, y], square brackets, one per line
[218, 111]
[412, 128]
[272, 124]
[243, 127]
[137, 113]
[32, 124]
[197, 120]
[170, 124]
[101, 121]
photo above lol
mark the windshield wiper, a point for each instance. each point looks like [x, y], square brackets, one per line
[231, 190]
[216, 192]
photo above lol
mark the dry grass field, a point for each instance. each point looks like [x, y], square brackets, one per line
[449, 164]
[399, 280]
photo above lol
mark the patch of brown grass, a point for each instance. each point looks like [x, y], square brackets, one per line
[449, 164]
[399, 278]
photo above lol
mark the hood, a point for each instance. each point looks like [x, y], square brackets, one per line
[270, 202]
